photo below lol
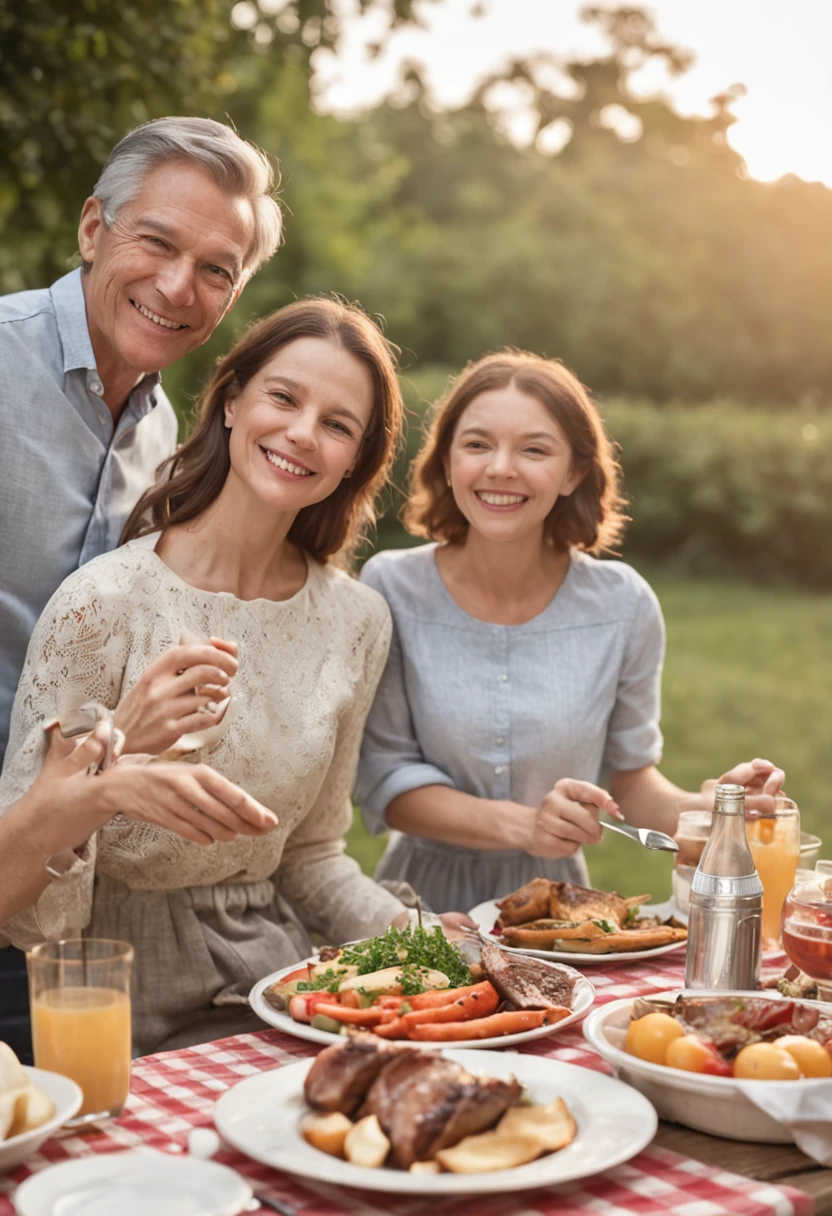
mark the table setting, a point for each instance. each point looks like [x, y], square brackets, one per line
[640, 1090]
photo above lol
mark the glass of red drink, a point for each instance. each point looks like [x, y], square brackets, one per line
[807, 928]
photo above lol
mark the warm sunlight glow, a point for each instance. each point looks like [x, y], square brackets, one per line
[778, 51]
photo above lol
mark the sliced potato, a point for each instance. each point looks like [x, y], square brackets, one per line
[489, 1151]
[553, 1125]
[12, 1075]
[34, 1107]
[8, 1110]
[326, 1132]
[389, 980]
[366, 1144]
[425, 1167]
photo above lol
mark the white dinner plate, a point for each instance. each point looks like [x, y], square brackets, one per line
[137, 1182]
[486, 914]
[67, 1098]
[261, 1117]
[583, 994]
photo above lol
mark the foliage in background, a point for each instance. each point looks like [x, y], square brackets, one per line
[713, 489]
[640, 252]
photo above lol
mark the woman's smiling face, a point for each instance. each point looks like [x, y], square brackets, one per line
[508, 463]
[298, 424]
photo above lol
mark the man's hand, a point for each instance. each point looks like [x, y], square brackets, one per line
[177, 694]
[568, 818]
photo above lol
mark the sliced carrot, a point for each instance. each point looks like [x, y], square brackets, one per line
[354, 1017]
[439, 996]
[480, 1001]
[391, 1030]
[485, 1028]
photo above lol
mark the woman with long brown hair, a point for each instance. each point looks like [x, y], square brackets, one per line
[224, 627]
[524, 673]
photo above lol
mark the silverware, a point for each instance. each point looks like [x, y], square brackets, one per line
[261, 1201]
[645, 836]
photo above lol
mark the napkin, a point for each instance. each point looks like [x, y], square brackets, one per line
[804, 1107]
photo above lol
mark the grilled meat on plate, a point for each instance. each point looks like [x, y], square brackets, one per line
[342, 1073]
[423, 1101]
[529, 983]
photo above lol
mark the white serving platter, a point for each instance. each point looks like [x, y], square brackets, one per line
[716, 1105]
[485, 914]
[261, 1117]
[583, 996]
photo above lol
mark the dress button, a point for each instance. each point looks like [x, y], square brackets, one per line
[96, 387]
[502, 678]
[501, 768]
[499, 740]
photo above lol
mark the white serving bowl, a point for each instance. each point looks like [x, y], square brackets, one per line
[67, 1098]
[715, 1105]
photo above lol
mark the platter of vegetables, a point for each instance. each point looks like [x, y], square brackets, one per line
[699, 1056]
[416, 985]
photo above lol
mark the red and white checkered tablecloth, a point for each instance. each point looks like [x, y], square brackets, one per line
[175, 1091]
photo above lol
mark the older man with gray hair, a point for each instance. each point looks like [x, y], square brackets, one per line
[182, 216]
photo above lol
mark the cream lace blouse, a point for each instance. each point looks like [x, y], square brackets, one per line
[308, 670]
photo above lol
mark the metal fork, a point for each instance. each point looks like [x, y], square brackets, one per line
[645, 836]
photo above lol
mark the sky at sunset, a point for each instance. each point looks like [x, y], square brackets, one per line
[779, 50]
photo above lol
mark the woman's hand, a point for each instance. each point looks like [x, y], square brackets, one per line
[190, 799]
[568, 818]
[177, 694]
[763, 781]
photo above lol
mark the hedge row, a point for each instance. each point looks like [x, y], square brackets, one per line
[717, 488]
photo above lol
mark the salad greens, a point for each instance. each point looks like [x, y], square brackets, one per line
[328, 979]
[414, 949]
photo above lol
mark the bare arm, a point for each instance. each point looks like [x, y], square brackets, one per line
[441, 812]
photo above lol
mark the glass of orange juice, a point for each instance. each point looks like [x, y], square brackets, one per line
[774, 838]
[79, 993]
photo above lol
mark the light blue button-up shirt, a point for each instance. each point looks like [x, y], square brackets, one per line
[69, 476]
[504, 711]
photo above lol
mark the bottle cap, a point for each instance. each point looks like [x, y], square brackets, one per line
[729, 793]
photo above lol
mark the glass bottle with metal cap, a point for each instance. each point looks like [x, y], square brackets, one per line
[726, 903]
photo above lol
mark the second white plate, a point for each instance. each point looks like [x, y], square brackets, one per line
[486, 914]
[582, 998]
[261, 1117]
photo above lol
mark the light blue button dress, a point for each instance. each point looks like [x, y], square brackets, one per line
[505, 711]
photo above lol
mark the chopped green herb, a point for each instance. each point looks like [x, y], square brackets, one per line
[328, 979]
[413, 947]
[632, 915]
[605, 925]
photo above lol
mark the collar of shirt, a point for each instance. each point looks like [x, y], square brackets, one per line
[71, 317]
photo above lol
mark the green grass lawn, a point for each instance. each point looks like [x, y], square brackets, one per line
[748, 673]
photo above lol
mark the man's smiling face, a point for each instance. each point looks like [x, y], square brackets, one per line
[166, 271]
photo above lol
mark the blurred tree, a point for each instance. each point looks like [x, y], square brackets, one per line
[76, 75]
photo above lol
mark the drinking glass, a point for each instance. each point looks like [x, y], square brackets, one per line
[807, 928]
[774, 839]
[692, 831]
[80, 998]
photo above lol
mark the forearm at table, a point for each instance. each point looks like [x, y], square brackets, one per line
[647, 799]
[23, 876]
[439, 812]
